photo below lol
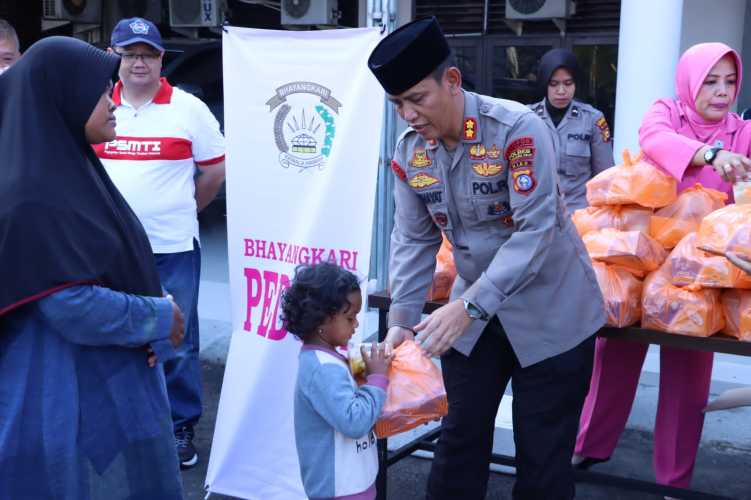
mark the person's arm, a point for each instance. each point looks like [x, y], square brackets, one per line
[415, 241]
[353, 412]
[96, 316]
[533, 192]
[600, 145]
[208, 183]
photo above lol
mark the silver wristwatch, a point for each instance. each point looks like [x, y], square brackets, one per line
[473, 311]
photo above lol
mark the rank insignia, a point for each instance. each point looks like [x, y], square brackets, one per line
[470, 129]
[477, 152]
[420, 159]
[441, 219]
[487, 169]
[422, 181]
[602, 124]
[493, 152]
[524, 181]
[398, 170]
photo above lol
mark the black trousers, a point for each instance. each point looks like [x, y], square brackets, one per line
[548, 398]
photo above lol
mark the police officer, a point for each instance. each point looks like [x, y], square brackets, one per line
[580, 132]
[525, 304]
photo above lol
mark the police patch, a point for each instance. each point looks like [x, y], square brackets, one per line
[503, 210]
[422, 181]
[441, 219]
[488, 187]
[470, 129]
[399, 171]
[520, 150]
[431, 197]
[420, 159]
[477, 152]
[487, 169]
[493, 152]
[602, 124]
[524, 181]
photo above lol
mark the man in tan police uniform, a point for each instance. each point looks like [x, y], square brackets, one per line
[525, 305]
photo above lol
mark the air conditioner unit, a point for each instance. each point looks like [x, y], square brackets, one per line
[194, 13]
[78, 11]
[539, 9]
[310, 12]
[147, 9]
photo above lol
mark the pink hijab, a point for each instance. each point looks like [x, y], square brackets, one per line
[692, 69]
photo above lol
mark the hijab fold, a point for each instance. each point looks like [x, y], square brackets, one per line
[62, 221]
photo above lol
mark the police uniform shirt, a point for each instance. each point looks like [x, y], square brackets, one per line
[583, 142]
[517, 254]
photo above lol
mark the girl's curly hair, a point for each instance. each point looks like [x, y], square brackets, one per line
[317, 292]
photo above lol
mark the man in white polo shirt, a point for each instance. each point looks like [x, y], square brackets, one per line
[164, 138]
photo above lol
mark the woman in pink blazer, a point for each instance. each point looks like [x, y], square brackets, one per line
[694, 138]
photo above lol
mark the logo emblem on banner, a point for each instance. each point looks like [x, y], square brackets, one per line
[304, 126]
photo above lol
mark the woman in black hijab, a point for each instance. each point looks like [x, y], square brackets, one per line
[84, 414]
[580, 131]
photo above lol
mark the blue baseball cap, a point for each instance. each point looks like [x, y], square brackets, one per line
[135, 30]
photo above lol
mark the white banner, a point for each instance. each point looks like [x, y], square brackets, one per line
[303, 124]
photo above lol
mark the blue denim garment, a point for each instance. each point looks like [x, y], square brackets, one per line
[82, 416]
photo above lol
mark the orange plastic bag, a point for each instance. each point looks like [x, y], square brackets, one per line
[415, 394]
[693, 311]
[620, 217]
[690, 266]
[671, 223]
[633, 250]
[635, 182]
[445, 272]
[727, 230]
[736, 306]
[622, 294]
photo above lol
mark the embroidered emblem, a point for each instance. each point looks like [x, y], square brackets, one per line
[441, 219]
[493, 152]
[470, 129]
[487, 169]
[431, 197]
[477, 152]
[422, 181]
[524, 181]
[139, 27]
[420, 159]
[602, 124]
[488, 187]
[520, 152]
[503, 210]
[399, 171]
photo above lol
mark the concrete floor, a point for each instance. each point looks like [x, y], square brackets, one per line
[722, 464]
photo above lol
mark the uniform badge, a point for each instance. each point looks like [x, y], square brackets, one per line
[470, 129]
[520, 153]
[524, 181]
[422, 181]
[441, 219]
[477, 152]
[503, 210]
[493, 152]
[487, 169]
[420, 159]
[602, 124]
[398, 170]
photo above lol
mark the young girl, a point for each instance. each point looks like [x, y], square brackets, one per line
[333, 417]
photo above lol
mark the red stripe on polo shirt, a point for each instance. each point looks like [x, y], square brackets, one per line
[211, 161]
[145, 148]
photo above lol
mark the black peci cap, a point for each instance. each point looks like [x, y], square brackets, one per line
[409, 54]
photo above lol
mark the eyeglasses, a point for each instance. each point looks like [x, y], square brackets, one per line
[131, 58]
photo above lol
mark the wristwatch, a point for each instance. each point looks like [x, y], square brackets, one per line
[473, 311]
[710, 155]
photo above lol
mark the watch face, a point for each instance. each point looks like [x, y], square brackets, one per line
[709, 156]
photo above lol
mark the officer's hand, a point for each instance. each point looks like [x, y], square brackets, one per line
[739, 261]
[437, 332]
[398, 334]
[732, 167]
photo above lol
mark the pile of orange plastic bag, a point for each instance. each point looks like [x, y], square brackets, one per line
[415, 395]
[693, 311]
[727, 230]
[636, 181]
[690, 266]
[620, 217]
[622, 293]
[633, 250]
[736, 306]
[671, 223]
[445, 272]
